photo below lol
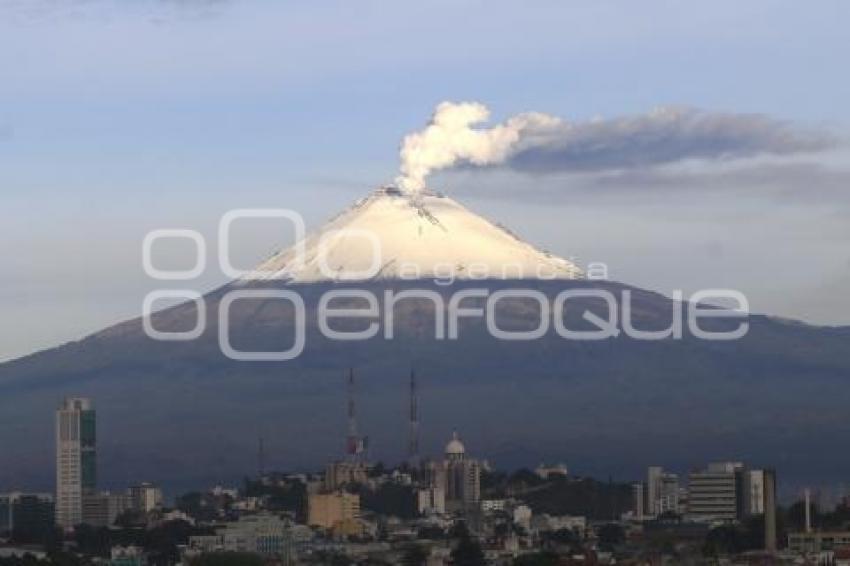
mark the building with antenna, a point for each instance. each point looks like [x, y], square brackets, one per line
[353, 469]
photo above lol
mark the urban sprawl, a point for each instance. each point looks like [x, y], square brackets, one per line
[454, 509]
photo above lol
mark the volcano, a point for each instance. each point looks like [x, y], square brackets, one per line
[425, 235]
[184, 414]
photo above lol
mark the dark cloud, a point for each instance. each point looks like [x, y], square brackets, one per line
[801, 181]
[664, 136]
[802, 184]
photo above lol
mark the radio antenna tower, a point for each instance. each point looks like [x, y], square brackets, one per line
[354, 444]
[413, 442]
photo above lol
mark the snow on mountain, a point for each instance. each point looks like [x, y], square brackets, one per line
[391, 234]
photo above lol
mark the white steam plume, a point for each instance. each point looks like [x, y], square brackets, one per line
[450, 139]
[540, 143]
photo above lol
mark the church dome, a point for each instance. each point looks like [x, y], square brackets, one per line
[455, 447]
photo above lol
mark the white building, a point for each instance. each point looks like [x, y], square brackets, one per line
[545, 472]
[76, 473]
[431, 501]
[263, 534]
[662, 492]
[546, 522]
[493, 505]
[145, 497]
[522, 516]
[755, 492]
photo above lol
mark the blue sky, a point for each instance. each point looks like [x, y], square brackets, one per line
[119, 117]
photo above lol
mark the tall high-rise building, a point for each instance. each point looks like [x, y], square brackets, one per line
[770, 511]
[653, 488]
[76, 468]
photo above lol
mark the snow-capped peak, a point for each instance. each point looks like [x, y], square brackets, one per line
[391, 234]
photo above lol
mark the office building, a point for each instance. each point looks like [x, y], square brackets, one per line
[338, 511]
[716, 493]
[76, 468]
[662, 492]
[431, 500]
[345, 473]
[26, 515]
[103, 509]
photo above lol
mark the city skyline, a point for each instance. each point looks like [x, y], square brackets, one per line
[427, 283]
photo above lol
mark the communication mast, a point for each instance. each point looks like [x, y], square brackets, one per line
[413, 441]
[355, 444]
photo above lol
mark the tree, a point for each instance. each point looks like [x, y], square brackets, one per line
[390, 499]
[459, 530]
[431, 532]
[723, 540]
[228, 559]
[197, 505]
[468, 552]
[526, 477]
[290, 496]
[546, 558]
[92, 541]
[62, 558]
[414, 555]
[610, 535]
[563, 536]
[797, 515]
[131, 518]
[162, 542]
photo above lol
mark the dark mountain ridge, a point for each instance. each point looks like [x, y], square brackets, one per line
[182, 412]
